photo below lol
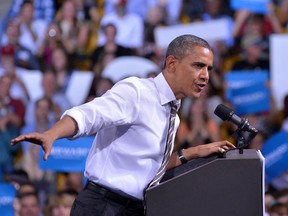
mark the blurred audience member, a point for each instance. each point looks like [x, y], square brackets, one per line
[111, 49]
[12, 113]
[259, 25]
[52, 40]
[29, 205]
[278, 209]
[27, 187]
[217, 10]
[18, 89]
[44, 10]
[74, 181]
[50, 207]
[24, 58]
[69, 25]
[24, 188]
[99, 87]
[17, 178]
[251, 57]
[60, 204]
[197, 128]
[94, 25]
[43, 180]
[171, 10]
[87, 40]
[32, 30]
[81, 7]
[42, 120]
[130, 27]
[50, 90]
[154, 19]
[61, 66]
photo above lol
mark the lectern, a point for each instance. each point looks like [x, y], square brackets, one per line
[227, 185]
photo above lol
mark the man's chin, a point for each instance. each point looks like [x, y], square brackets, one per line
[195, 95]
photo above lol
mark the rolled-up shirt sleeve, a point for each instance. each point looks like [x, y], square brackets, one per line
[77, 116]
[118, 106]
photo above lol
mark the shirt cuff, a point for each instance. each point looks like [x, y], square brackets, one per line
[77, 116]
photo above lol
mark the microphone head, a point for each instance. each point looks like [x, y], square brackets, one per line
[223, 112]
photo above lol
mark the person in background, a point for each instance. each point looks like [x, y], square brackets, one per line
[44, 10]
[278, 209]
[69, 24]
[60, 203]
[59, 100]
[12, 113]
[52, 40]
[154, 19]
[99, 87]
[29, 204]
[131, 122]
[31, 30]
[18, 89]
[251, 57]
[110, 48]
[62, 68]
[24, 58]
[42, 120]
[130, 26]
[198, 127]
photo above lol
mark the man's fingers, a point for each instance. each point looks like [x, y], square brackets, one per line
[17, 140]
[231, 145]
[33, 138]
[46, 152]
[46, 155]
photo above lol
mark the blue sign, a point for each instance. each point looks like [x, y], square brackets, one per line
[256, 6]
[67, 155]
[7, 197]
[248, 91]
[275, 152]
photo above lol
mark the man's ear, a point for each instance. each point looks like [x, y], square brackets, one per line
[170, 63]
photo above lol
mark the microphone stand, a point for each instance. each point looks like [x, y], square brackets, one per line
[244, 137]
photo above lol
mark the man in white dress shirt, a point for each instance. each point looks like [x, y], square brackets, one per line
[131, 126]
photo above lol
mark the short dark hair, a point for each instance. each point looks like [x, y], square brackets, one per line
[27, 2]
[181, 44]
[28, 194]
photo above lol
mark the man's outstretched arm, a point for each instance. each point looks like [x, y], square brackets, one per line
[64, 128]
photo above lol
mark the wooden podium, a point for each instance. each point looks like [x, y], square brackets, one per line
[228, 185]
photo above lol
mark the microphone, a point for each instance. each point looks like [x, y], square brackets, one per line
[226, 114]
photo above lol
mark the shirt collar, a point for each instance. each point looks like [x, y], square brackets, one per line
[165, 92]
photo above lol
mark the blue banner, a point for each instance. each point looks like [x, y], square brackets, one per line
[275, 152]
[67, 155]
[247, 91]
[256, 6]
[7, 197]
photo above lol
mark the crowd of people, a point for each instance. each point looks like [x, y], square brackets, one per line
[58, 37]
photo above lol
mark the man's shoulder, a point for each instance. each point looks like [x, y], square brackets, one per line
[137, 80]
[137, 84]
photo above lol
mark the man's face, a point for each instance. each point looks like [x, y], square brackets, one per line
[191, 74]
[29, 206]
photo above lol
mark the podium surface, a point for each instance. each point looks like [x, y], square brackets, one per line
[229, 186]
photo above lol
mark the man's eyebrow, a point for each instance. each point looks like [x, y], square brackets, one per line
[210, 67]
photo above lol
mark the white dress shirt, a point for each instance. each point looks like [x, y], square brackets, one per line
[131, 121]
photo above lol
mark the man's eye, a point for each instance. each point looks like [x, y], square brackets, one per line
[210, 69]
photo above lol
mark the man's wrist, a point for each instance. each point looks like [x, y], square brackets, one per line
[181, 156]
